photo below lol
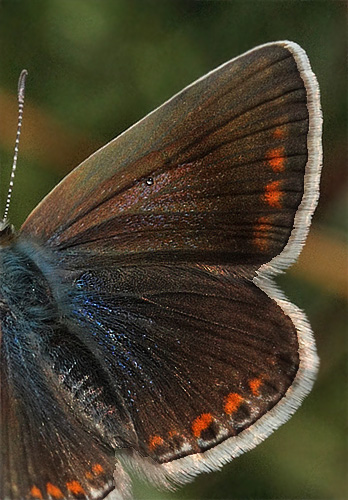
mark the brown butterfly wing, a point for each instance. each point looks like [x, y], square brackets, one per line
[196, 357]
[45, 452]
[214, 175]
[221, 178]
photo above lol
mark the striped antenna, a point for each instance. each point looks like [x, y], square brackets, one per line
[21, 92]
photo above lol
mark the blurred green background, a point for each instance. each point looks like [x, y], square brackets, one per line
[96, 67]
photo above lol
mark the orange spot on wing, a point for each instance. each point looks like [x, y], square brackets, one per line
[89, 475]
[155, 441]
[279, 133]
[98, 469]
[201, 423]
[276, 159]
[273, 194]
[75, 488]
[36, 493]
[261, 230]
[255, 385]
[54, 491]
[232, 402]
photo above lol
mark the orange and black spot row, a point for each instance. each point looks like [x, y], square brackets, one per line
[35, 492]
[201, 424]
[232, 403]
[97, 470]
[155, 441]
[276, 159]
[54, 491]
[261, 232]
[273, 194]
[279, 133]
[255, 384]
[75, 488]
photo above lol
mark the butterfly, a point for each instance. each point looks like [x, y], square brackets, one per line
[141, 328]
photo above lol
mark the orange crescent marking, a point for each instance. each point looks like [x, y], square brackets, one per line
[98, 469]
[54, 491]
[155, 441]
[75, 488]
[273, 194]
[276, 159]
[201, 423]
[36, 493]
[232, 402]
[279, 133]
[255, 385]
[261, 230]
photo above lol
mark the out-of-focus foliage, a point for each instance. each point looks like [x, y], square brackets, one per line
[96, 67]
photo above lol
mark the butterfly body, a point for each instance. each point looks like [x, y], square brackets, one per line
[138, 317]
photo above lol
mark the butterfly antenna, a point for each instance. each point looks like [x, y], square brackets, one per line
[21, 92]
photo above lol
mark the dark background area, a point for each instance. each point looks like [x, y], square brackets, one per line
[96, 67]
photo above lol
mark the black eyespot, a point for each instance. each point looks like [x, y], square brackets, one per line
[149, 181]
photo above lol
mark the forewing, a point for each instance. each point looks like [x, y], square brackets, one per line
[214, 175]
